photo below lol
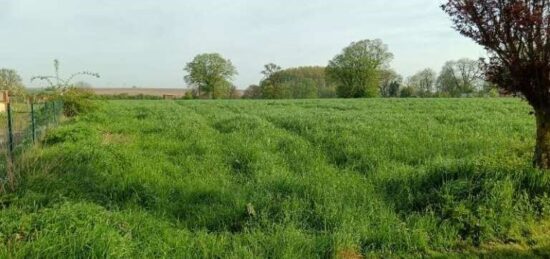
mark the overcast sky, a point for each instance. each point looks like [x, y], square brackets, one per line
[146, 43]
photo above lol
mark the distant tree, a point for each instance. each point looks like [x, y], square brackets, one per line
[407, 92]
[390, 82]
[460, 77]
[252, 92]
[393, 89]
[221, 91]
[270, 69]
[490, 90]
[304, 88]
[11, 81]
[516, 35]
[275, 90]
[234, 93]
[188, 95]
[423, 82]
[271, 85]
[300, 82]
[356, 71]
[299, 76]
[210, 74]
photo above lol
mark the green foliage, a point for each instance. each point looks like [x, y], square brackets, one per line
[407, 92]
[210, 74]
[295, 83]
[188, 95]
[234, 93]
[461, 77]
[492, 92]
[393, 89]
[253, 92]
[77, 101]
[275, 90]
[11, 81]
[423, 82]
[304, 89]
[356, 71]
[390, 82]
[270, 69]
[283, 179]
[76, 97]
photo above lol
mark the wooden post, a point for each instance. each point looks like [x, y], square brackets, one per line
[6, 96]
[5, 101]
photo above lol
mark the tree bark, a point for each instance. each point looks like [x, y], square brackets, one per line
[542, 150]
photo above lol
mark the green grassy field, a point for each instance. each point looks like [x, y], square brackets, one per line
[283, 179]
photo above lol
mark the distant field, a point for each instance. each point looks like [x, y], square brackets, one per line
[143, 91]
[284, 179]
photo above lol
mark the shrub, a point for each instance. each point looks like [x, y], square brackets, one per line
[77, 101]
[407, 92]
[188, 95]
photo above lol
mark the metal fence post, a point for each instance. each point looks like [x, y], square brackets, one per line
[49, 113]
[33, 122]
[54, 110]
[10, 130]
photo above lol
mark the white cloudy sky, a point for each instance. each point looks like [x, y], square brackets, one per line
[146, 43]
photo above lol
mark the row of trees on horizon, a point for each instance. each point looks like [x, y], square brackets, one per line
[361, 70]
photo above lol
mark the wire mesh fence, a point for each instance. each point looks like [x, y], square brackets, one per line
[23, 121]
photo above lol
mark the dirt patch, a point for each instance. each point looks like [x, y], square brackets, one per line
[114, 139]
[349, 254]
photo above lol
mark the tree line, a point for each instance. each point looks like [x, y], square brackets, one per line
[361, 70]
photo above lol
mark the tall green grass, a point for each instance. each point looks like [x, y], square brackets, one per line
[283, 179]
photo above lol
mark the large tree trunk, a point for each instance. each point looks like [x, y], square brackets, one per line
[542, 150]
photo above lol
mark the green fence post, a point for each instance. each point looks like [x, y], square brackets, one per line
[50, 113]
[54, 109]
[10, 130]
[33, 123]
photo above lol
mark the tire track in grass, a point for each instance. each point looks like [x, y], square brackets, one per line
[302, 127]
[193, 192]
[259, 151]
[363, 144]
[415, 183]
[332, 197]
[209, 197]
[403, 231]
[278, 196]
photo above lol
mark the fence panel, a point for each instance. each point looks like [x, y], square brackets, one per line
[22, 123]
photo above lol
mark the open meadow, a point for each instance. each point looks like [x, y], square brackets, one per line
[283, 179]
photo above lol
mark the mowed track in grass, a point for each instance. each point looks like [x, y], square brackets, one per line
[283, 179]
